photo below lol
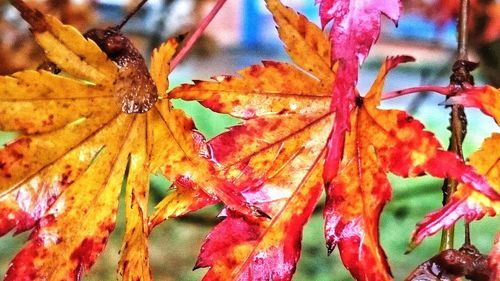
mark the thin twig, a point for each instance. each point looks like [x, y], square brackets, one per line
[129, 16]
[417, 101]
[193, 37]
[462, 30]
[458, 120]
[467, 234]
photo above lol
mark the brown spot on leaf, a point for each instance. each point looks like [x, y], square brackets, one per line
[49, 121]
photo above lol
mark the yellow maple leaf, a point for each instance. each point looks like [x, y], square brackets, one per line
[63, 174]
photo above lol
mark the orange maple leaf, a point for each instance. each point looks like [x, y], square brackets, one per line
[467, 202]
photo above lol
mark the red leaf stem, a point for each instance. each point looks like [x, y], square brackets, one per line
[419, 89]
[196, 34]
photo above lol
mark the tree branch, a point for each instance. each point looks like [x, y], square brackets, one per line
[458, 120]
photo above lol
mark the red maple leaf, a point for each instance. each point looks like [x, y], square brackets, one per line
[279, 104]
[356, 23]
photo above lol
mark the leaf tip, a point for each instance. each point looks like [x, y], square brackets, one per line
[327, 183]
[260, 213]
[411, 246]
[180, 38]
[396, 60]
[198, 264]
[328, 177]
[330, 247]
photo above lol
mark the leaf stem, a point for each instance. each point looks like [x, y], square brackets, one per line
[131, 14]
[467, 234]
[458, 120]
[195, 35]
[426, 88]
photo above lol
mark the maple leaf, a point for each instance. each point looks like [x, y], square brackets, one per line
[356, 23]
[275, 156]
[466, 202]
[278, 102]
[485, 98]
[261, 249]
[289, 145]
[382, 141]
[62, 176]
[260, 93]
